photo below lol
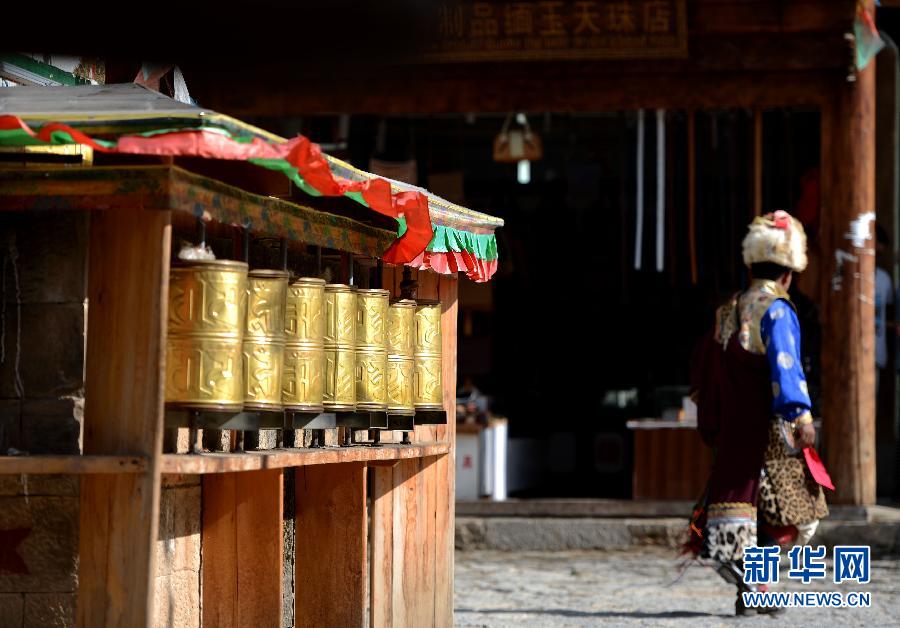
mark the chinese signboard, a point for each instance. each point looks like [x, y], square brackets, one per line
[559, 29]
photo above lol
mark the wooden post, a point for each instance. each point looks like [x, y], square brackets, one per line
[330, 581]
[128, 279]
[692, 194]
[848, 363]
[757, 161]
[242, 548]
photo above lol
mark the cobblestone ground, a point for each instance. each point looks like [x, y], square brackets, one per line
[635, 588]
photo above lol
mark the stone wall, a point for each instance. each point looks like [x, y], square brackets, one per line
[42, 334]
[38, 550]
[178, 596]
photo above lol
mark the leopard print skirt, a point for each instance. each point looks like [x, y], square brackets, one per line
[788, 494]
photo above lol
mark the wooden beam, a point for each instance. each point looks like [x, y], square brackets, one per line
[241, 544]
[274, 459]
[848, 363]
[797, 16]
[76, 465]
[171, 187]
[500, 88]
[330, 581]
[128, 283]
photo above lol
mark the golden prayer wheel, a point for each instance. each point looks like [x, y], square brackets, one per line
[340, 348]
[267, 296]
[401, 338]
[372, 318]
[263, 373]
[207, 307]
[401, 363]
[371, 379]
[371, 349]
[264, 339]
[400, 374]
[305, 311]
[427, 382]
[303, 386]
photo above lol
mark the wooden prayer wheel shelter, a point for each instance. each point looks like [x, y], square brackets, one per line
[301, 536]
[686, 55]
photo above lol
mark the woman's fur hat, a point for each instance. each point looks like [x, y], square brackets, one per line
[778, 238]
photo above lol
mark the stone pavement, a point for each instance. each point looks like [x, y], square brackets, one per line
[635, 587]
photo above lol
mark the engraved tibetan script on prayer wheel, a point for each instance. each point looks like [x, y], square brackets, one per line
[401, 328]
[371, 349]
[264, 339]
[340, 348]
[207, 308]
[303, 387]
[401, 352]
[427, 381]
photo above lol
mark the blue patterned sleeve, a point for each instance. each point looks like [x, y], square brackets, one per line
[780, 331]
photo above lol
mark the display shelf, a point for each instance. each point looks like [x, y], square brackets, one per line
[277, 458]
[79, 465]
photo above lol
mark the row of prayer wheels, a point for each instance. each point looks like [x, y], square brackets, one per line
[240, 340]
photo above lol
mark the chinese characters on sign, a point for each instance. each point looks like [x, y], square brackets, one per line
[559, 29]
[851, 564]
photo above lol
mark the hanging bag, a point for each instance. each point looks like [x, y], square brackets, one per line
[515, 145]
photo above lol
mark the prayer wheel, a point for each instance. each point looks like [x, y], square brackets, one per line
[340, 348]
[371, 349]
[264, 339]
[303, 387]
[207, 307]
[427, 385]
[401, 357]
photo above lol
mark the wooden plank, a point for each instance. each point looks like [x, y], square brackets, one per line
[77, 465]
[220, 462]
[381, 561]
[848, 366]
[444, 541]
[406, 554]
[127, 294]
[242, 549]
[445, 467]
[414, 543]
[330, 582]
[426, 543]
